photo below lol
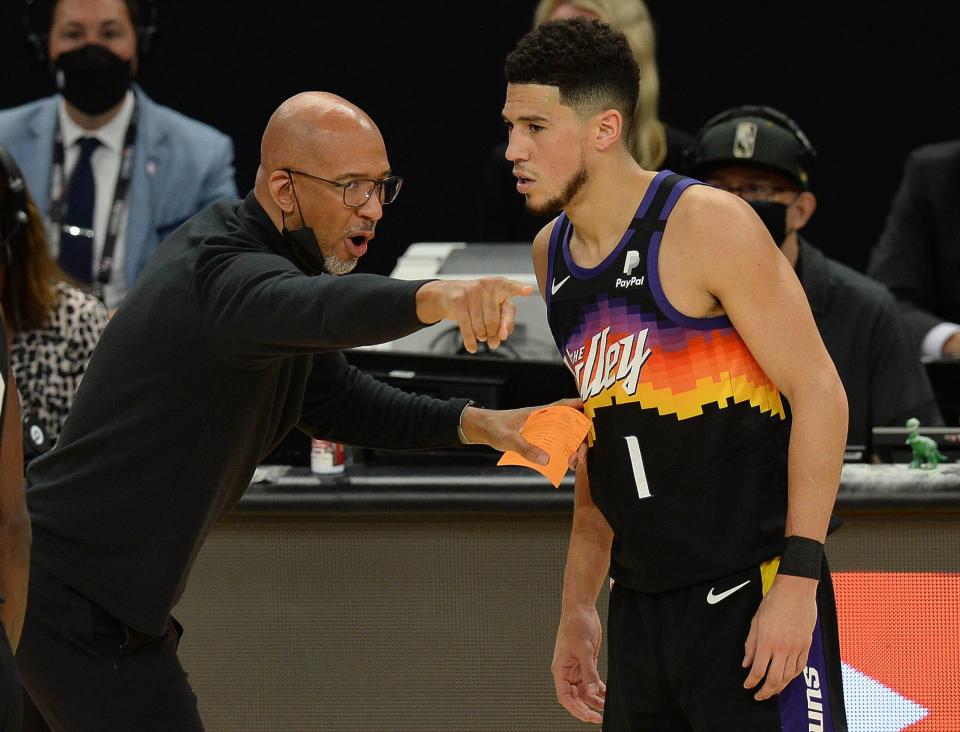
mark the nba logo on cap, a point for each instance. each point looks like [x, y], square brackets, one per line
[745, 140]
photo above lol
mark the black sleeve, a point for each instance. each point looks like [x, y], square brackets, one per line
[345, 404]
[899, 387]
[257, 305]
[904, 257]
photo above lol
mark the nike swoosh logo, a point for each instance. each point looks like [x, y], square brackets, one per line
[557, 285]
[713, 599]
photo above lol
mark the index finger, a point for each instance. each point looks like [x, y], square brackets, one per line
[516, 288]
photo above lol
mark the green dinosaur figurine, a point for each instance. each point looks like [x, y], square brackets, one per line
[925, 452]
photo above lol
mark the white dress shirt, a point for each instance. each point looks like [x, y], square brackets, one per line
[932, 345]
[106, 167]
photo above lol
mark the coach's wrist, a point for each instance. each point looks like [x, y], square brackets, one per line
[464, 440]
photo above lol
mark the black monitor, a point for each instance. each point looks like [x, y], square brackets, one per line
[491, 381]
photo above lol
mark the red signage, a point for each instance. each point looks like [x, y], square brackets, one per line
[900, 643]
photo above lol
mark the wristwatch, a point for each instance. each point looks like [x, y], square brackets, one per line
[463, 437]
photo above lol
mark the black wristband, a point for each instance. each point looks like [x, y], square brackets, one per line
[802, 557]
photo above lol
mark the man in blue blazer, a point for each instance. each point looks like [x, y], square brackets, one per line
[179, 165]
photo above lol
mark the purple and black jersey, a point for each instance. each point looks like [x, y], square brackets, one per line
[688, 451]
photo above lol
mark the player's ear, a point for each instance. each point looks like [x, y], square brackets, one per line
[608, 129]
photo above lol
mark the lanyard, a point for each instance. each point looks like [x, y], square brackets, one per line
[59, 186]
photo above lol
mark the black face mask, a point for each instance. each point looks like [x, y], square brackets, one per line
[774, 216]
[92, 78]
[303, 242]
[306, 252]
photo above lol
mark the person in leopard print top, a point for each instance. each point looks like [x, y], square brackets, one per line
[49, 359]
[59, 325]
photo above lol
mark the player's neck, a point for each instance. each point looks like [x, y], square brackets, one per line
[605, 206]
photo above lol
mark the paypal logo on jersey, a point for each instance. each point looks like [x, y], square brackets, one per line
[631, 261]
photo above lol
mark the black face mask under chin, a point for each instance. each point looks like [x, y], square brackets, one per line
[305, 249]
[303, 242]
[93, 78]
[774, 216]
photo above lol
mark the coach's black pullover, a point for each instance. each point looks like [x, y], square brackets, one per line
[221, 347]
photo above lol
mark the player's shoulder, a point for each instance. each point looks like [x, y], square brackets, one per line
[705, 204]
[707, 217]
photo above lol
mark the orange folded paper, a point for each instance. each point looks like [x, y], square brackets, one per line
[559, 431]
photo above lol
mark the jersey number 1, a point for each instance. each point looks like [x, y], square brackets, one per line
[636, 462]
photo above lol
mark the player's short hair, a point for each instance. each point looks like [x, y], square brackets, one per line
[591, 64]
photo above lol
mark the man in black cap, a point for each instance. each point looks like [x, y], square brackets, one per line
[764, 157]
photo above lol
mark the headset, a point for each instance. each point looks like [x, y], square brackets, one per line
[38, 18]
[808, 153]
[13, 223]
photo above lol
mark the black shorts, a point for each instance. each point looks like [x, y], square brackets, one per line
[674, 662]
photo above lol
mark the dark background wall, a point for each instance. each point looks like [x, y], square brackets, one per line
[866, 83]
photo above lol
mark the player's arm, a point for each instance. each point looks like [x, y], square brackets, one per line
[575, 676]
[14, 519]
[588, 557]
[764, 300]
[740, 266]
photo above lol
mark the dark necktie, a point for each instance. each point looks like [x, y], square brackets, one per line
[76, 235]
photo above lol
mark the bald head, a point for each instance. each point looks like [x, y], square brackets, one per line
[317, 146]
[307, 129]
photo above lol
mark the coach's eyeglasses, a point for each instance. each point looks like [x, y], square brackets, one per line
[358, 191]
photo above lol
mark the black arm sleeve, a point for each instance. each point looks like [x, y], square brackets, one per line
[257, 305]
[345, 404]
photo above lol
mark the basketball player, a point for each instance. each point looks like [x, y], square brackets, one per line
[718, 419]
